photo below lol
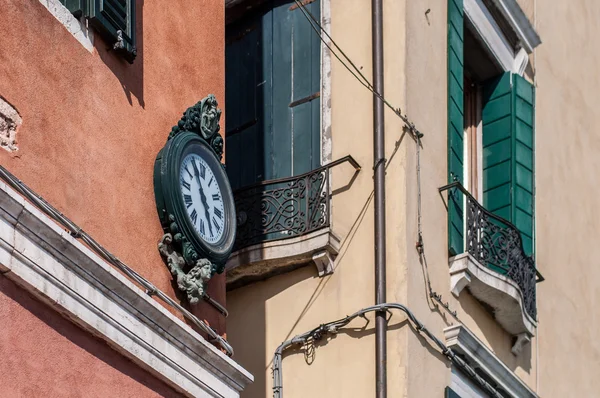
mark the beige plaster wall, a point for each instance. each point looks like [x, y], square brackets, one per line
[426, 79]
[567, 222]
[265, 314]
[415, 73]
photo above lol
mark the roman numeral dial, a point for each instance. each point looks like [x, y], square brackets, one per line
[202, 198]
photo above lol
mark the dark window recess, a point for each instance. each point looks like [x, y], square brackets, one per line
[450, 393]
[114, 20]
[272, 68]
[77, 7]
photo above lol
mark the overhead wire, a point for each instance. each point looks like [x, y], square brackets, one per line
[332, 327]
[78, 233]
[410, 127]
[420, 245]
[355, 71]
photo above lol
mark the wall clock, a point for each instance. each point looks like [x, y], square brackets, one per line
[194, 199]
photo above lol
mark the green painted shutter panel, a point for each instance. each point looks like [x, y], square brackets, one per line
[295, 136]
[279, 161]
[272, 94]
[508, 118]
[523, 209]
[305, 100]
[115, 21]
[455, 124]
[244, 93]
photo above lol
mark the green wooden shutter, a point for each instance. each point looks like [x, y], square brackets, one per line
[295, 134]
[305, 101]
[272, 94]
[455, 124]
[109, 17]
[508, 173]
[245, 89]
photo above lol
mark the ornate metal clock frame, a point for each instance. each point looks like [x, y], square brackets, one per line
[191, 262]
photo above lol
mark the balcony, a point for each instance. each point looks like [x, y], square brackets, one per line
[494, 267]
[284, 224]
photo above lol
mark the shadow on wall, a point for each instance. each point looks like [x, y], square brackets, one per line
[247, 331]
[497, 338]
[75, 335]
[131, 76]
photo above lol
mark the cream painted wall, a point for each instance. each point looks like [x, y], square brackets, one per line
[567, 223]
[266, 313]
[426, 78]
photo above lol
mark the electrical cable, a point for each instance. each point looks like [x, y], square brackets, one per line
[316, 26]
[78, 233]
[362, 79]
[332, 328]
[416, 134]
[420, 245]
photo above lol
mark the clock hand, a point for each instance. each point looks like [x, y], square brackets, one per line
[202, 197]
[206, 213]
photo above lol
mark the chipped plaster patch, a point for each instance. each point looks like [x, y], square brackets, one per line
[10, 120]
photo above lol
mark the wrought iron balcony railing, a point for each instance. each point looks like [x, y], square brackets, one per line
[497, 244]
[286, 207]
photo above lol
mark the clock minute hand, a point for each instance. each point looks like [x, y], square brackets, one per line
[206, 213]
[202, 197]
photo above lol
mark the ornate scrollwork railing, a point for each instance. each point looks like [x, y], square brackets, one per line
[286, 207]
[497, 244]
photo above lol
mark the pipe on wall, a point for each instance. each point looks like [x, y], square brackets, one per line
[379, 198]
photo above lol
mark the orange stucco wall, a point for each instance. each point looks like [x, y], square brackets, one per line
[44, 355]
[93, 124]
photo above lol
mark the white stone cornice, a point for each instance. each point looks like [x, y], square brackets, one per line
[480, 357]
[489, 33]
[45, 260]
[519, 22]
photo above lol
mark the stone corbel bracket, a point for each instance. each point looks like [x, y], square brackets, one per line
[497, 291]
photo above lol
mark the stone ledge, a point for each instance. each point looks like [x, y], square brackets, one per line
[497, 291]
[481, 358]
[45, 260]
[263, 260]
[78, 28]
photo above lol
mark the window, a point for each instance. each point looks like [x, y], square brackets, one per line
[491, 123]
[273, 61]
[113, 19]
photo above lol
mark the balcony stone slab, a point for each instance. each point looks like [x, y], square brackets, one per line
[499, 292]
[267, 259]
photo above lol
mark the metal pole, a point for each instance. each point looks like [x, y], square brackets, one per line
[379, 199]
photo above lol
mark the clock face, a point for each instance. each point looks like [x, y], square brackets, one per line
[202, 198]
[194, 199]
